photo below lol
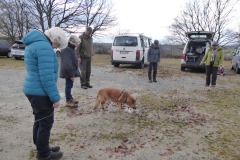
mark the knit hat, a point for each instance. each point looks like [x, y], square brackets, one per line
[156, 42]
[214, 43]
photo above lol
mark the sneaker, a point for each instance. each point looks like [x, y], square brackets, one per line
[154, 80]
[55, 149]
[150, 81]
[89, 86]
[75, 101]
[52, 156]
[84, 87]
[71, 104]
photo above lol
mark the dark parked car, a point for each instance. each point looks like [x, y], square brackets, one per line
[18, 49]
[194, 50]
[5, 48]
[236, 61]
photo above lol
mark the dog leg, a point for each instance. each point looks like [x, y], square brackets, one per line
[104, 107]
[96, 104]
[119, 106]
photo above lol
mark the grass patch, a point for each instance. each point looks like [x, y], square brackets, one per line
[11, 63]
[32, 154]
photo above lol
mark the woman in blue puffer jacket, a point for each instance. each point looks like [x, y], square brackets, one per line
[40, 85]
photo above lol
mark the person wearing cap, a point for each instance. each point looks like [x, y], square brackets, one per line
[85, 53]
[40, 85]
[153, 58]
[69, 68]
[213, 59]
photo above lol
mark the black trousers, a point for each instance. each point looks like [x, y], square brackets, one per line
[85, 67]
[152, 66]
[44, 118]
[211, 75]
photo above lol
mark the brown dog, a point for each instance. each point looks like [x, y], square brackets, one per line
[115, 95]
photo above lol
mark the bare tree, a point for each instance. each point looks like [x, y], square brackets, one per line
[14, 19]
[205, 15]
[97, 14]
[51, 13]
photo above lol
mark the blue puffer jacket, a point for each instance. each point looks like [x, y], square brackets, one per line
[42, 66]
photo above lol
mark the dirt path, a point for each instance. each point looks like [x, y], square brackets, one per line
[83, 134]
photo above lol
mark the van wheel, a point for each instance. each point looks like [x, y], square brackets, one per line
[141, 65]
[116, 65]
[182, 68]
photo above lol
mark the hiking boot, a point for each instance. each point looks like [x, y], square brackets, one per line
[71, 104]
[84, 87]
[154, 80]
[55, 149]
[75, 101]
[89, 86]
[150, 81]
[52, 156]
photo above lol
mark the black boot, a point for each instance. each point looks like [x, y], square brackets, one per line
[52, 156]
[55, 149]
[89, 86]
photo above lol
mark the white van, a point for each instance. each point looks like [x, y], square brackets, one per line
[130, 49]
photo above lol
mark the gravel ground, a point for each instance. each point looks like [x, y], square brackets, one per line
[81, 133]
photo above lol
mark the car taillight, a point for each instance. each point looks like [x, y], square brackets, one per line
[183, 56]
[138, 55]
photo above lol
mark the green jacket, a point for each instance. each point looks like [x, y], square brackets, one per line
[218, 59]
[85, 48]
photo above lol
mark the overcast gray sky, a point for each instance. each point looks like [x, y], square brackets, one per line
[151, 17]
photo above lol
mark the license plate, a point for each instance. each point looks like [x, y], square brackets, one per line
[123, 52]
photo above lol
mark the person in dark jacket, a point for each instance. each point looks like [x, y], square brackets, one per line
[85, 53]
[153, 58]
[40, 85]
[69, 68]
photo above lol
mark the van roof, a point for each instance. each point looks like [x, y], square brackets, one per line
[132, 34]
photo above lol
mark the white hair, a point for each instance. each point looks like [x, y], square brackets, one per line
[74, 38]
[58, 35]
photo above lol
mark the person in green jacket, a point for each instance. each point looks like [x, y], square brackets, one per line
[213, 59]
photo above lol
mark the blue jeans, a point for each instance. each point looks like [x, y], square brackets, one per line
[152, 66]
[44, 119]
[68, 89]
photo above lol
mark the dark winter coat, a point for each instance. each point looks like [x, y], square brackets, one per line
[69, 63]
[153, 54]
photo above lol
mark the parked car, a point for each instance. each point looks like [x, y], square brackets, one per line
[18, 49]
[5, 48]
[194, 50]
[130, 49]
[236, 61]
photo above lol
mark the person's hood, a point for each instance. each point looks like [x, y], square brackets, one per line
[34, 36]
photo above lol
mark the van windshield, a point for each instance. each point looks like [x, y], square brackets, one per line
[125, 41]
